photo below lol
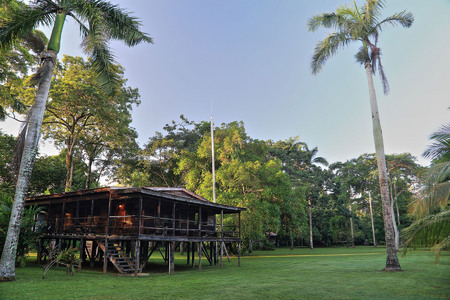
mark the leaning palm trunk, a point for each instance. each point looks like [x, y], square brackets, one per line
[392, 263]
[8, 259]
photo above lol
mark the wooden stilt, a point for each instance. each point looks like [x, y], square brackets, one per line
[81, 253]
[193, 255]
[166, 259]
[105, 257]
[211, 252]
[39, 253]
[221, 235]
[240, 241]
[221, 255]
[200, 246]
[216, 252]
[239, 255]
[188, 252]
[171, 257]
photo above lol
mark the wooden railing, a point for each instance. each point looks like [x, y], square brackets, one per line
[129, 226]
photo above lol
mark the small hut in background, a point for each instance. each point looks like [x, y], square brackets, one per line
[125, 226]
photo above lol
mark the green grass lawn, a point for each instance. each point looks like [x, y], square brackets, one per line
[329, 273]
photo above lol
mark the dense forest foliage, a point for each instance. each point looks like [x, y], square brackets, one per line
[284, 185]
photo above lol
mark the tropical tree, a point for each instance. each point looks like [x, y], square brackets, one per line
[16, 61]
[430, 209]
[99, 22]
[363, 24]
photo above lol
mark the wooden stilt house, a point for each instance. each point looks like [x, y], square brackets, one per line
[123, 227]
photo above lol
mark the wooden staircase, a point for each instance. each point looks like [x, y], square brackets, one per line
[119, 258]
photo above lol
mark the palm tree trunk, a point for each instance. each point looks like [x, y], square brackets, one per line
[396, 232]
[310, 226]
[8, 259]
[394, 222]
[371, 219]
[392, 263]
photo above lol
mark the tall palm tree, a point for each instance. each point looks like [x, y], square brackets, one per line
[430, 209]
[311, 158]
[362, 24]
[99, 22]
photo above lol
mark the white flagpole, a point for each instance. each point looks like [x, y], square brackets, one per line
[213, 166]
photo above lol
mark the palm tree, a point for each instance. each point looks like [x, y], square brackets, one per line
[99, 22]
[362, 24]
[310, 159]
[430, 209]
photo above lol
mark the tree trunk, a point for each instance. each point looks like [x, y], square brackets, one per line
[310, 226]
[351, 226]
[394, 222]
[88, 177]
[69, 160]
[8, 259]
[371, 219]
[392, 263]
[292, 240]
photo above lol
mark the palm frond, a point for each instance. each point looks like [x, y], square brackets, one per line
[440, 148]
[327, 48]
[403, 18]
[320, 160]
[435, 192]
[431, 231]
[327, 20]
[118, 22]
[22, 21]
[372, 11]
[83, 28]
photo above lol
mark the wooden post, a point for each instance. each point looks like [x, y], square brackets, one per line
[239, 250]
[92, 216]
[61, 226]
[200, 247]
[109, 214]
[221, 236]
[137, 256]
[166, 252]
[200, 221]
[159, 209]
[39, 253]
[173, 221]
[77, 211]
[140, 216]
[188, 253]
[221, 254]
[187, 225]
[81, 253]
[171, 257]
[105, 257]
[193, 255]
[211, 252]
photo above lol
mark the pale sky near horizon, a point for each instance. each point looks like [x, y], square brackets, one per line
[250, 61]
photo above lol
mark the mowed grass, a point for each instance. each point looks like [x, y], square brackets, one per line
[328, 273]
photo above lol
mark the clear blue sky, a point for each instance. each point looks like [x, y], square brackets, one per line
[250, 60]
